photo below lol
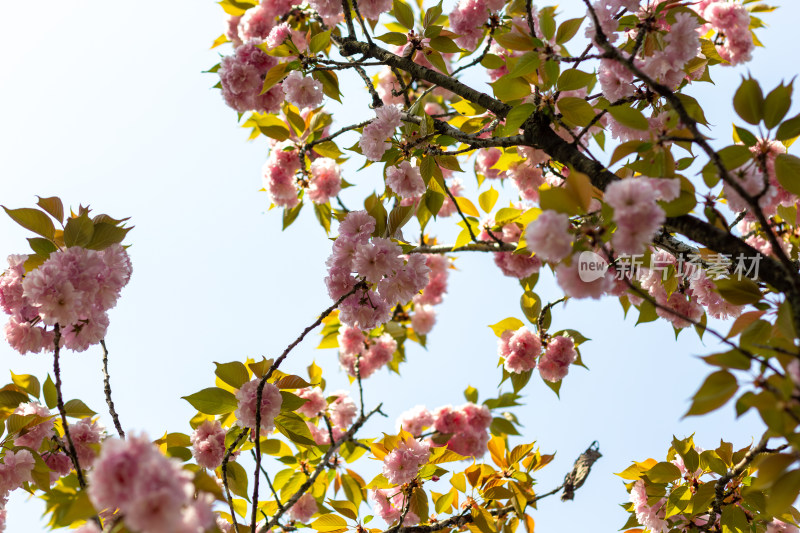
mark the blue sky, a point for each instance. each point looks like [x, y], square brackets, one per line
[104, 103]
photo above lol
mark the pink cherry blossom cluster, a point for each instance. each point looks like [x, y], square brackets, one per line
[341, 412]
[466, 426]
[303, 91]
[73, 288]
[326, 180]
[569, 278]
[424, 317]
[521, 348]
[485, 161]
[732, 20]
[390, 504]
[549, 236]
[15, 470]
[86, 434]
[512, 264]
[242, 78]
[680, 301]
[651, 517]
[389, 278]
[315, 402]
[758, 179]
[304, 509]
[468, 19]
[636, 212]
[370, 354]
[373, 139]
[208, 444]
[402, 464]
[682, 44]
[559, 354]
[777, 526]
[527, 177]
[278, 174]
[154, 493]
[247, 396]
[405, 180]
[34, 435]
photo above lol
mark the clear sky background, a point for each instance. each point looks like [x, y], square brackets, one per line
[104, 103]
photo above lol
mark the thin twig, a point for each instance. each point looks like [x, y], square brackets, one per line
[107, 390]
[224, 467]
[73, 454]
[260, 392]
[320, 467]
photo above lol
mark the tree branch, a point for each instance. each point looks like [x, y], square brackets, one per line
[107, 390]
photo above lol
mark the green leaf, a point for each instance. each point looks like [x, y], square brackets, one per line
[328, 149]
[53, 206]
[487, 199]
[294, 428]
[290, 214]
[717, 389]
[471, 394]
[329, 523]
[234, 373]
[345, 508]
[567, 30]
[733, 520]
[576, 110]
[738, 291]
[10, 399]
[237, 479]
[78, 231]
[783, 493]
[735, 156]
[77, 409]
[105, 234]
[630, 117]
[291, 402]
[212, 401]
[403, 13]
[274, 75]
[663, 472]
[432, 14]
[679, 499]
[573, 79]
[789, 129]
[50, 393]
[787, 170]
[749, 101]
[42, 246]
[446, 45]
[320, 42]
[558, 199]
[395, 37]
[324, 215]
[518, 115]
[777, 104]
[34, 220]
[27, 382]
[531, 306]
[525, 65]
[744, 136]
[509, 323]
[509, 88]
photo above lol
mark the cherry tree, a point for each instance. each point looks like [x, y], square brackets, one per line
[610, 178]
